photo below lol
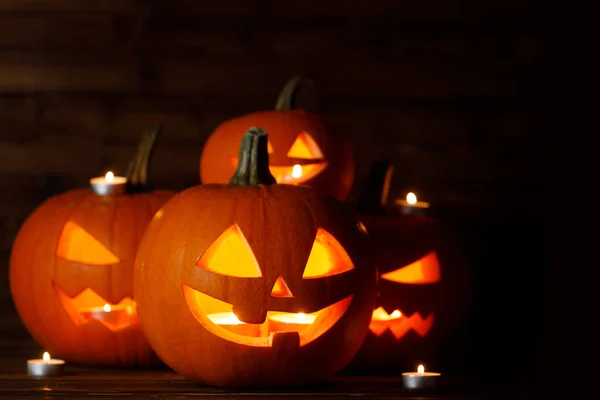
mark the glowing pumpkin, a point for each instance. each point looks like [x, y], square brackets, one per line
[422, 284]
[302, 150]
[254, 283]
[71, 271]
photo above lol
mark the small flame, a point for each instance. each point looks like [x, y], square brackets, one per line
[420, 369]
[396, 314]
[411, 198]
[296, 171]
[46, 356]
[107, 308]
[301, 318]
[109, 176]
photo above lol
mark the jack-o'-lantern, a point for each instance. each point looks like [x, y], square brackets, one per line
[302, 149]
[71, 268]
[254, 283]
[422, 284]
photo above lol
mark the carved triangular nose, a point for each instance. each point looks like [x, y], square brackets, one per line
[281, 289]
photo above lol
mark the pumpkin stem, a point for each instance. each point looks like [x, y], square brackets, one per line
[137, 172]
[287, 97]
[253, 160]
[373, 199]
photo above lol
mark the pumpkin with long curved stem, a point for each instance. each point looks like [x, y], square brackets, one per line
[253, 283]
[71, 270]
[302, 149]
[422, 289]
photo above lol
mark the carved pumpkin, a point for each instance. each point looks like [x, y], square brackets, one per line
[71, 271]
[301, 148]
[422, 285]
[254, 283]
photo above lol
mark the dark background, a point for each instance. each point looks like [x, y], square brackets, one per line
[448, 90]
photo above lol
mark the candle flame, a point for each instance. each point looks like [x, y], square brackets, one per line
[411, 198]
[46, 356]
[107, 308]
[109, 176]
[297, 171]
[420, 369]
[301, 318]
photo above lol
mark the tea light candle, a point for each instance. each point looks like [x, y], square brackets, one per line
[411, 206]
[45, 367]
[108, 185]
[420, 379]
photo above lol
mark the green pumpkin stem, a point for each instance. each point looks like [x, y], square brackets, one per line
[373, 199]
[287, 97]
[253, 160]
[137, 172]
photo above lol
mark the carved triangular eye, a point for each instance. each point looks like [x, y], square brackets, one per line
[305, 147]
[423, 271]
[327, 257]
[230, 255]
[77, 245]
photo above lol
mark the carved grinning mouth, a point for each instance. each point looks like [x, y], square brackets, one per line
[398, 323]
[88, 305]
[296, 329]
[293, 173]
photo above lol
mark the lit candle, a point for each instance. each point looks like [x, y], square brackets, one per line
[411, 206]
[285, 322]
[420, 379]
[108, 185]
[45, 367]
[117, 315]
[229, 321]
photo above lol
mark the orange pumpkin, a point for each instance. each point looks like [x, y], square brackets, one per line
[254, 283]
[71, 271]
[422, 289]
[302, 149]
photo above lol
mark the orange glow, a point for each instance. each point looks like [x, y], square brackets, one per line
[398, 324]
[423, 271]
[269, 148]
[230, 255]
[89, 305]
[285, 174]
[327, 257]
[217, 316]
[46, 356]
[305, 147]
[411, 198]
[77, 245]
[281, 289]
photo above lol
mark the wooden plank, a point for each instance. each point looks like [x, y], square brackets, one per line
[65, 30]
[339, 77]
[73, 115]
[38, 72]
[68, 5]
[428, 10]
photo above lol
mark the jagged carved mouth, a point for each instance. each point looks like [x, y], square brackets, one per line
[399, 324]
[292, 174]
[279, 328]
[88, 305]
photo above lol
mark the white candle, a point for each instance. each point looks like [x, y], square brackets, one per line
[412, 206]
[45, 367]
[108, 185]
[420, 379]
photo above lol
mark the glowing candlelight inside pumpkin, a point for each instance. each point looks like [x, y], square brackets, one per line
[108, 184]
[296, 171]
[230, 321]
[113, 316]
[420, 379]
[107, 308]
[45, 367]
[412, 205]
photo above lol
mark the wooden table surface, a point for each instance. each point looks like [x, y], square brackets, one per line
[81, 382]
